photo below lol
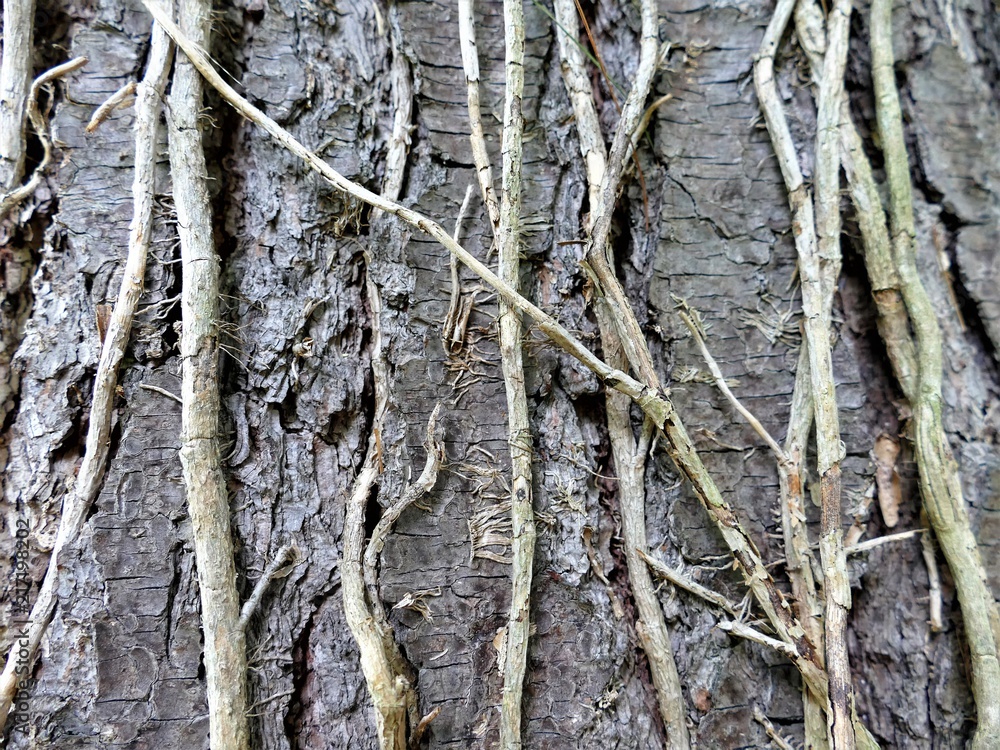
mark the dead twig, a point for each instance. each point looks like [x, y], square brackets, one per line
[761, 718]
[680, 580]
[121, 98]
[434, 447]
[743, 630]
[929, 551]
[162, 391]
[285, 560]
[879, 541]
[690, 317]
[481, 158]
[457, 321]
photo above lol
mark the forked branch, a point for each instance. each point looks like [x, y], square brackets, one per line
[630, 456]
[817, 241]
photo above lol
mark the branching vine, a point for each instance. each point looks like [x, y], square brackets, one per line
[630, 456]
[652, 400]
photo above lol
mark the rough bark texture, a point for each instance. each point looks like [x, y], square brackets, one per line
[121, 663]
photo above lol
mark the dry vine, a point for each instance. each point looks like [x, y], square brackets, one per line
[15, 81]
[940, 483]
[817, 240]
[91, 473]
[900, 298]
[652, 401]
[11, 199]
[204, 481]
[505, 218]
[630, 457]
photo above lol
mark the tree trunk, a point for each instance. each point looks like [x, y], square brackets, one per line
[709, 222]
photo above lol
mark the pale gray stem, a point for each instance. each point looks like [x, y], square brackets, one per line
[118, 99]
[287, 553]
[390, 689]
[817, 240]
[386, 671]
[836, 583]
[630, 458]
[653, 402]
[893, 322]
[511, 360]
[722, 385]
[929, 551]
[630, 468]
[745, 631]
[205, 483]
[480, 157]
[422, 486]
[685, 582]
[879, 541]
[780, 742]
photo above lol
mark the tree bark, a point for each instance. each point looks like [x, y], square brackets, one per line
[122, 658]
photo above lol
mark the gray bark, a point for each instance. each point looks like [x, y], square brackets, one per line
[122, 660]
